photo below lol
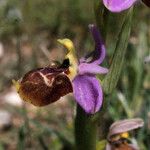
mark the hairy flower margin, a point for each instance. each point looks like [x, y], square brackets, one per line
[121, 5]
[43, 86]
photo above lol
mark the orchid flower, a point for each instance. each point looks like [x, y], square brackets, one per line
[43, 86]
[119, 137]
[120, 5]
[86, 87]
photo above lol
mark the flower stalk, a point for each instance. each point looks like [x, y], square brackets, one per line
[102, 17]
[85, 130]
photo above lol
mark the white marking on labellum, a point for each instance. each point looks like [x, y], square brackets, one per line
[46, 80]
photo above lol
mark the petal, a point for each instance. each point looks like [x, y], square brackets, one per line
[85, 68]
[118, 5]
[100, 50]
[88, 93]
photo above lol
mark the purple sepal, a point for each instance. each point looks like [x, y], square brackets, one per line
[118, 5]
[88, 93]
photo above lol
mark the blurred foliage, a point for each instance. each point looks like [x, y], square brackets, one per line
[35, 25]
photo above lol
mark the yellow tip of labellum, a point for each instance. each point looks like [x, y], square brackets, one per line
[16, 84]
[67, 43]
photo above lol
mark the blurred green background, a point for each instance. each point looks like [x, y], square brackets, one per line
[28, 33]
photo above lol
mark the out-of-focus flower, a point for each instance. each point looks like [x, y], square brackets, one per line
[86, 88]
[46, 85]
[118, 136]
[120, 5]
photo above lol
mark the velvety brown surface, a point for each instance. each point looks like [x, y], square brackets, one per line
[44, 86]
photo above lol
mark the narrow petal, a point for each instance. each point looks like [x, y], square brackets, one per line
[85, 68]
[118, 5]
[88, 93]
[100, 50]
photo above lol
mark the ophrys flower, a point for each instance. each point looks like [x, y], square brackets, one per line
[43, 86]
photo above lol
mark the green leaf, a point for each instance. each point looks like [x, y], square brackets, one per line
[111, 79]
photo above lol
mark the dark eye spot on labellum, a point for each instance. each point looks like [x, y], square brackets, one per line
[45, 85]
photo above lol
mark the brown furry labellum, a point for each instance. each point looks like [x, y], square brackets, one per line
[45, 85]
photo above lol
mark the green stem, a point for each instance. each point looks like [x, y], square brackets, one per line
[85, 130]
[101, 17]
